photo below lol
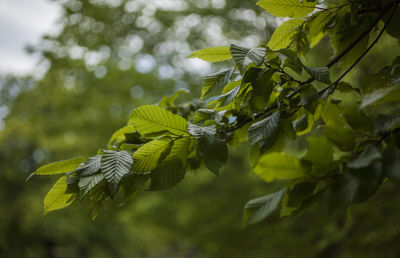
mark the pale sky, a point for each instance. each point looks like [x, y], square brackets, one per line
[23, 22]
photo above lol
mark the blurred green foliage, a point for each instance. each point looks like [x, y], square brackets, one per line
[87, 93]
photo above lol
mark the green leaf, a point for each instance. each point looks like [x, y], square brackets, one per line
[133, 182]
[147, 157]
[198, 131]
[316, 26]
[212, 150]
[151, 119]
[287, 8]
[366, 157]
[215, 82]
[114, 165]
[260, 208]
[393, 29]
[342, 137]
[377, 95]
[228, 97]
[89, 182]
[169, 101]
[391, 164]
[245, 56]
[298, 193]
[309, 98]
[60, 167]
[320, 74]
[319, 151]
[386, 123]
[56, 198]
[167, 175]
[282, 36]
[277, 165]
[213, 54]
[91, 166]
[119, 136]
[265, 130]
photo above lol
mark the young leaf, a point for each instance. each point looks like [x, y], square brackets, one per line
[114, 165]
[91, 166]
[228, 97]
[198, 131]
[89, 182]
[277, 165]
[149, 155]
[56, 198]
[281, 37]
[149, 119]
[216, 81]
[260, 208]
[265, 130]
[212, 54]
[287, 8]
[60, 167]
[245, 56]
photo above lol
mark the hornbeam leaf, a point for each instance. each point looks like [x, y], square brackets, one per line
[386, 123]
[212, 54]
[216, 81]
[377, 95]
[198, 131]
[91, 166]
[119, 135]
[171, 170]
[87, 183]
[212, 150]
[341, 136]
[114, 165]
[147, 157]
[167, 176]
[265, 130]
[320, 74]
[132, 182]
[277, 165]
[228, 97]
[245, 56]
[60, 167]
[260, 208]
[56, 198]
[366, 157]
[151, 119]
[281, 37]
[287, 8]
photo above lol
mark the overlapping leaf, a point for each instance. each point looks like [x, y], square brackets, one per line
[216, 81]
[149, 155]
[114, 165]
[245, 56]
[282, 36]
[56, 198]
[149, 119]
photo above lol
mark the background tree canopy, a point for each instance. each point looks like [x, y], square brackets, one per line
[333, 142]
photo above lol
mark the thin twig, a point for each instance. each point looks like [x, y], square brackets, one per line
[365, 33]
[335, 83]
